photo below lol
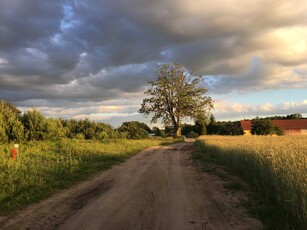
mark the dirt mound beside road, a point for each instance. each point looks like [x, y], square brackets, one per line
[159, 188]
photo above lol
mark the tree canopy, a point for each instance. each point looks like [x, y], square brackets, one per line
[264, 126]
[32, 125]
[135, 130]
[176, 94]
[11, 127]
[287, 117]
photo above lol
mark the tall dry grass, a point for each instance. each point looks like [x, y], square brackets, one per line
[276, 168]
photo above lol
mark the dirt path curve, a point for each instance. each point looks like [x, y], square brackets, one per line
[159, 188]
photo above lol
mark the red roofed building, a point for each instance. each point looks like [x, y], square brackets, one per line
[290, 127]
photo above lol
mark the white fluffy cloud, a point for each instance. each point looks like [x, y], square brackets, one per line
[228, 110]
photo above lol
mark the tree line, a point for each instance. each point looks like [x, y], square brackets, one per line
[259, 126]
[32, 125]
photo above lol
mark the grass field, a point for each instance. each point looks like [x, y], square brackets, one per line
[44, 167]
[275, 167]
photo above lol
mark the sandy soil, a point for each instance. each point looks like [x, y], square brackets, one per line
[159, 188]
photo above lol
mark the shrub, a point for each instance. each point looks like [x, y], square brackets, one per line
[35, 124]
[11, 129]
[192, 134]
[134, 130]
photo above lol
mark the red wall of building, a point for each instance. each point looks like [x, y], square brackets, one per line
[293, 132]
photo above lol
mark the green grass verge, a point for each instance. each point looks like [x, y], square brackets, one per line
[44, 167]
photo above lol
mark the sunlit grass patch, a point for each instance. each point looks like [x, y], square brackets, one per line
[43, 167]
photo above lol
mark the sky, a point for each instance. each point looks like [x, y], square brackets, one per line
[92, 59]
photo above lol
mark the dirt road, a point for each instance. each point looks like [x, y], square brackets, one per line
[159, 188]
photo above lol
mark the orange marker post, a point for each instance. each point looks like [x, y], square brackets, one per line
[15, 151]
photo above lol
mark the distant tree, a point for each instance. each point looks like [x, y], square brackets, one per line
[187, 128]
[8, 105]
[17, 130]
[35, 124]
[174, 95]
[156, 131]
[3, 127]
[190, 131]
[234, 128]
[192, 134]
[287, 117]
[224, 127]
[86, 129]
[104, 131]
[220, 128]
[278, 131]
[200, 126]
[68, 128]
[11, 128]
[169, 131]
[54, 129]
[262, 126]
[143, 126]
[212, 120]
[294, 116]
[134, 130]
[211, 127]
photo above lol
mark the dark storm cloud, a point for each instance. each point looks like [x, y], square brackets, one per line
[22, 22]
[128, 78]
[99, 50]
[112, 38]
[213, 38]
[26, 29]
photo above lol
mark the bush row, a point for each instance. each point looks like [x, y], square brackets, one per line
[33, 125]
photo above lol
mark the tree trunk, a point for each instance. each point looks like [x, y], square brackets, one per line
[178, 132]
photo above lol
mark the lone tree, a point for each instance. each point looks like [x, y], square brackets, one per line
[175, 95]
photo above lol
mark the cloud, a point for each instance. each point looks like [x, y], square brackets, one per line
[26, 21]
[98, 111]
[68, 52]
[227, 110]
[262, 75]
